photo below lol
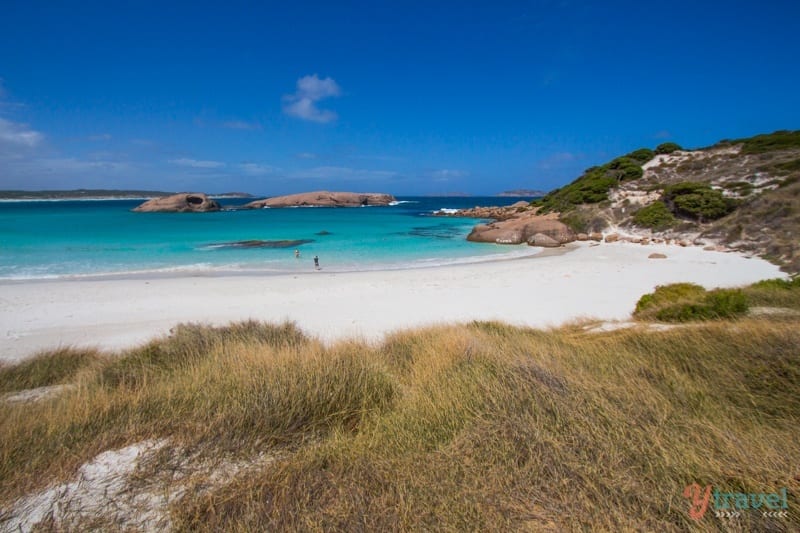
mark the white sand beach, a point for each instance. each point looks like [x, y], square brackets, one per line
[602, 281]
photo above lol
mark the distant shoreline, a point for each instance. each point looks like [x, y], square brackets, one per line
[96, 195]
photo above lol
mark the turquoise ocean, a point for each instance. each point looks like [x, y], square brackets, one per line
[52, 239]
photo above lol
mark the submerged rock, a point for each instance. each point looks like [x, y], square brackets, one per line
[255, 243]
[193, 202]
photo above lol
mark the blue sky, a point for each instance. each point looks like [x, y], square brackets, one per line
[402, 97]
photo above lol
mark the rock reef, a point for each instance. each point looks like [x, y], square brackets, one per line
[255, 243]
[192, 202]
[324, 199]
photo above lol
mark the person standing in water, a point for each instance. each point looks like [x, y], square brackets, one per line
[297, 253]
[316, 262]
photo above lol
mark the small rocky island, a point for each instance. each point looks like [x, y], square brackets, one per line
[191, 202]
[324, 199]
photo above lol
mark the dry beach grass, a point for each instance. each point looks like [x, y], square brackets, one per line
[479, 426]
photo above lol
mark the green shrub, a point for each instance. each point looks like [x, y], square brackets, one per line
[655, 216]
[686, 302]
[642, 155]
[727, 303]
[779, 140]
[720, 303]
[778, 283]
[775, 293]
[668, 294]
[698, 201]
[667, 148]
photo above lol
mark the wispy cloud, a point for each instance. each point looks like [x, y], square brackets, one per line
[663, 134]
[60, 165]
[241, 125]
[306, 155]
[559, 160]
[311, 90]
[255, 169]
[344, 173]
[195, 163]
[100, 137]
[447, 174]
[19, 135]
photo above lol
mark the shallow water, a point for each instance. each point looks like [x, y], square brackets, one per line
[45, 239]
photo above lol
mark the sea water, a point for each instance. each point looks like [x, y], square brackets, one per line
[46, 239]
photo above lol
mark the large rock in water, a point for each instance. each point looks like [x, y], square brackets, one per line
[325, 199]
[192, 202]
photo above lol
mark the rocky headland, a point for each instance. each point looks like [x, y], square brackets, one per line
[739, 195]
[324, 199]
[194, 202]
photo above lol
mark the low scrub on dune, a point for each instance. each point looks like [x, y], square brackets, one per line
[481, 426]
[686, 302]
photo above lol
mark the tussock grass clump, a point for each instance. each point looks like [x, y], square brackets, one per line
[47, 368]
[482, 426]
[189, 343]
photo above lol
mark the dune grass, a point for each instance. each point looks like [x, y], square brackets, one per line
[480, 426]
[48, 368]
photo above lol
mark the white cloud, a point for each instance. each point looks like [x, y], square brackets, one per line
[255, 169]
[100, 137]
[306, 155]
[310, 90]
[15, 134]
[195, 163]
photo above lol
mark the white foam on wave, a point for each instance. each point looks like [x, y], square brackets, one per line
[446, 211]
[398, 202]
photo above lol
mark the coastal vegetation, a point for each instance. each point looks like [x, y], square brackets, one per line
[594, 184]
[686, 302]
[479, 426]
[656, 216]
[667, 148]
[698, 201]
[770, 142]
[743, 194]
